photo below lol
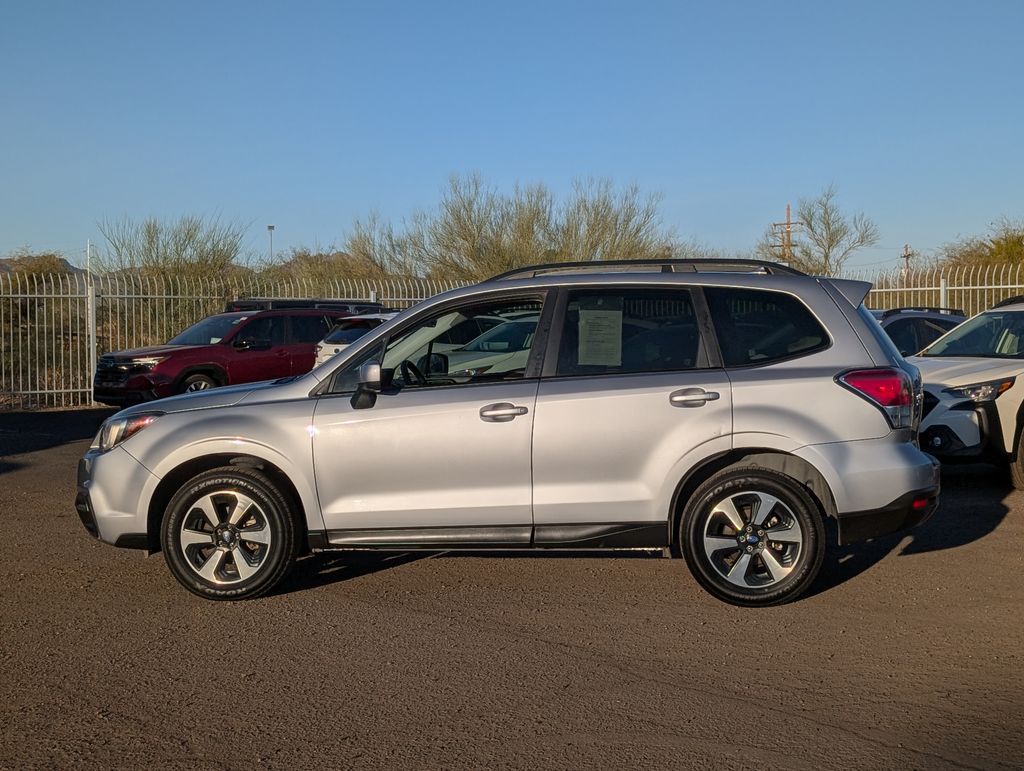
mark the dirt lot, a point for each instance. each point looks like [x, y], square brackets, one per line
[907, 654]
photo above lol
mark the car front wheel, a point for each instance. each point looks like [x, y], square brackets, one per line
[228, 534]
[752, 536]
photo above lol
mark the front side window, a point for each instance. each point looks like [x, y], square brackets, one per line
[997, 334]
[424, 356]
[756, 326]
[624, 331]
[263, 332]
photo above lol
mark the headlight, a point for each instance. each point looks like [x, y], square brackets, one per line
[981, 392]
[145, 363]
[472, 372]
[116, 430]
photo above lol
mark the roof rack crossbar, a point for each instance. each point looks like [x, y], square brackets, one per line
[666, 265]
[923, 309]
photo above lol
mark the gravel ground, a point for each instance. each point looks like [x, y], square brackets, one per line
[906, 654]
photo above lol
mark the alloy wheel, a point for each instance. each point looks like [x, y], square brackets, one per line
[225, 537]
[752, 539]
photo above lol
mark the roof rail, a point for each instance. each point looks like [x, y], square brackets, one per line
[1010, 301]
[666, 265]
[924, 309]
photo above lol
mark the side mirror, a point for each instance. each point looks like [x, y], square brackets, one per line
[369, 376]
[369, 386]
[242, 345]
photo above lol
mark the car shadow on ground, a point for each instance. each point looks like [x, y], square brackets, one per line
[326, 568]
[25, 431]
[972, 507]
[972, 504]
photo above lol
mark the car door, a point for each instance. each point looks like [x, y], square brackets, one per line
[259, 350]
[438, 458]
[628, 399]
[305, 331]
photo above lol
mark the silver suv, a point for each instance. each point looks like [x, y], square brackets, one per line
[720, 409]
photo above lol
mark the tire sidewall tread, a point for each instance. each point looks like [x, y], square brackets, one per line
[735, 480]
[276, 508]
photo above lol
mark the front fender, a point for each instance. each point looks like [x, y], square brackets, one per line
[277, 433]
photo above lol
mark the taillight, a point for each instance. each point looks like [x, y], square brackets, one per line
[891, 390]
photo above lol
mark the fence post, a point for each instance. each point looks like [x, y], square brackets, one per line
[373, 295]
[90, 334]
[943, 292]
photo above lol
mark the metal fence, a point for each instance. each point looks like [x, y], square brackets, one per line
[53, 327]
[971, 288]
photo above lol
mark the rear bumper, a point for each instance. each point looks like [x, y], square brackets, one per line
[905, 512]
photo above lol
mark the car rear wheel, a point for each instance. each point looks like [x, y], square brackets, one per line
[228, 534]
[752, 536]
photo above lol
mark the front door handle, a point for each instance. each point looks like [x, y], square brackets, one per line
[501, 412]
[692, 397]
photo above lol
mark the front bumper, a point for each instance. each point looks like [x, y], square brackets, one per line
[958, 431]
[108, 498]
[132, 390]
[905, 512]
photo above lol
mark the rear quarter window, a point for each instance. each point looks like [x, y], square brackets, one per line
[756, 326]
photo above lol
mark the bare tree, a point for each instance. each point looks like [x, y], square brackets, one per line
[192, 246]
[825, 238]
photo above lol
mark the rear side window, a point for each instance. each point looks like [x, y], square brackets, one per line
[309, 329]
[626, 331]
[758, 327]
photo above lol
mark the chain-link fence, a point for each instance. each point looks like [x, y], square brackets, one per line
[53, 327]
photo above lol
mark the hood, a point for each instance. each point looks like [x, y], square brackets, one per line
[151, 350]
[947, 371]
[203, 400]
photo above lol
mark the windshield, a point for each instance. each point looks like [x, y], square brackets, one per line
[510, 336]
[997, 335]
[209, 331]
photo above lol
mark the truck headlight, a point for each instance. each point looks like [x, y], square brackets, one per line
[116, 430]
[144, 363]
[981, 392]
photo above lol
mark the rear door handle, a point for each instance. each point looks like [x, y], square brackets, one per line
[501, 412]
[692, 397]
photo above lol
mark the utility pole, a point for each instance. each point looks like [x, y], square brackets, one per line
[784, 233]
[270, 231]
[907, 254]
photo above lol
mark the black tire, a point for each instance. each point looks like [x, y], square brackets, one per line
[265, 536]
[775, 570]
[1016, 466]
[197, 382]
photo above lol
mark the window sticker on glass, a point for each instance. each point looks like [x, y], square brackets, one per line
[601, 332]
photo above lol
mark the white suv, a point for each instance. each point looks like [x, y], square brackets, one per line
[974, 390]
[723, 410]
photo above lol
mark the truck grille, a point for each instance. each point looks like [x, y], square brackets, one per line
[109, 370]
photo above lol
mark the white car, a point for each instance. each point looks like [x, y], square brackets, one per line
[346, 332]
[974, 390]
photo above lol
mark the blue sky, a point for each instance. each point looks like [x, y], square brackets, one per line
[309, 115]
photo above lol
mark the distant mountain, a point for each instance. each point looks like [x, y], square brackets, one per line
[53, 264]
